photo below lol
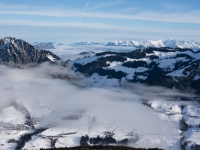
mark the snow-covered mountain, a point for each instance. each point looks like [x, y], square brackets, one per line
[172, 43]
[158, 43]
[46, 45]
[125, 43]
[86, 43]
[17, 51]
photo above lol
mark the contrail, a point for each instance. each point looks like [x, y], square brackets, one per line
[85, 9]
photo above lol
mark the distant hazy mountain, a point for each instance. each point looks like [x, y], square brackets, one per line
[17, 51]
[46, 45]
[86, 43]
[158, 43]
[124, 43]
[172, 43]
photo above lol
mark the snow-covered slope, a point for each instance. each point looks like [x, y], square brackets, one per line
[158, 43]
[16, 51]
[173, 68]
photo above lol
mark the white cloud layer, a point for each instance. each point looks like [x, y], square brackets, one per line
[63, 107]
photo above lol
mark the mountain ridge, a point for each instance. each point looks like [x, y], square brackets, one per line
[172, 43]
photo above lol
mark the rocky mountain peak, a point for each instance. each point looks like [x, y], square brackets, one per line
[17, 51]
[8, 39]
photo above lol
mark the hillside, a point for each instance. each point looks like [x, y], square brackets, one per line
[173, 68]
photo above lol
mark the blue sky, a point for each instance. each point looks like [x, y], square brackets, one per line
[69, 21]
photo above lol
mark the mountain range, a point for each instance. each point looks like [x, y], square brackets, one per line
[170, 67]
[86, 43]
[149, 43]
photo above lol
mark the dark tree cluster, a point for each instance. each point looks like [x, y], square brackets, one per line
[162, 49]
[108, 139]
[111, 73]
[84, 140]
[196, 85]
[27, 137]
[184, 50]
[195, 147]
[97, 67]
[86, 53]
[180, 64]
[12, 141]
[166, 49]
[135, 64]
[123, 142]
[90, 68]
[113, 58]
[156, 76]
[105, 53]
[100, 147]
[183, 55]
[103, 141]
[152, 57]
[136, 54]
[149, 50]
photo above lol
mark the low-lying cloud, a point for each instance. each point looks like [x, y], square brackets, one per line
[58, 104]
